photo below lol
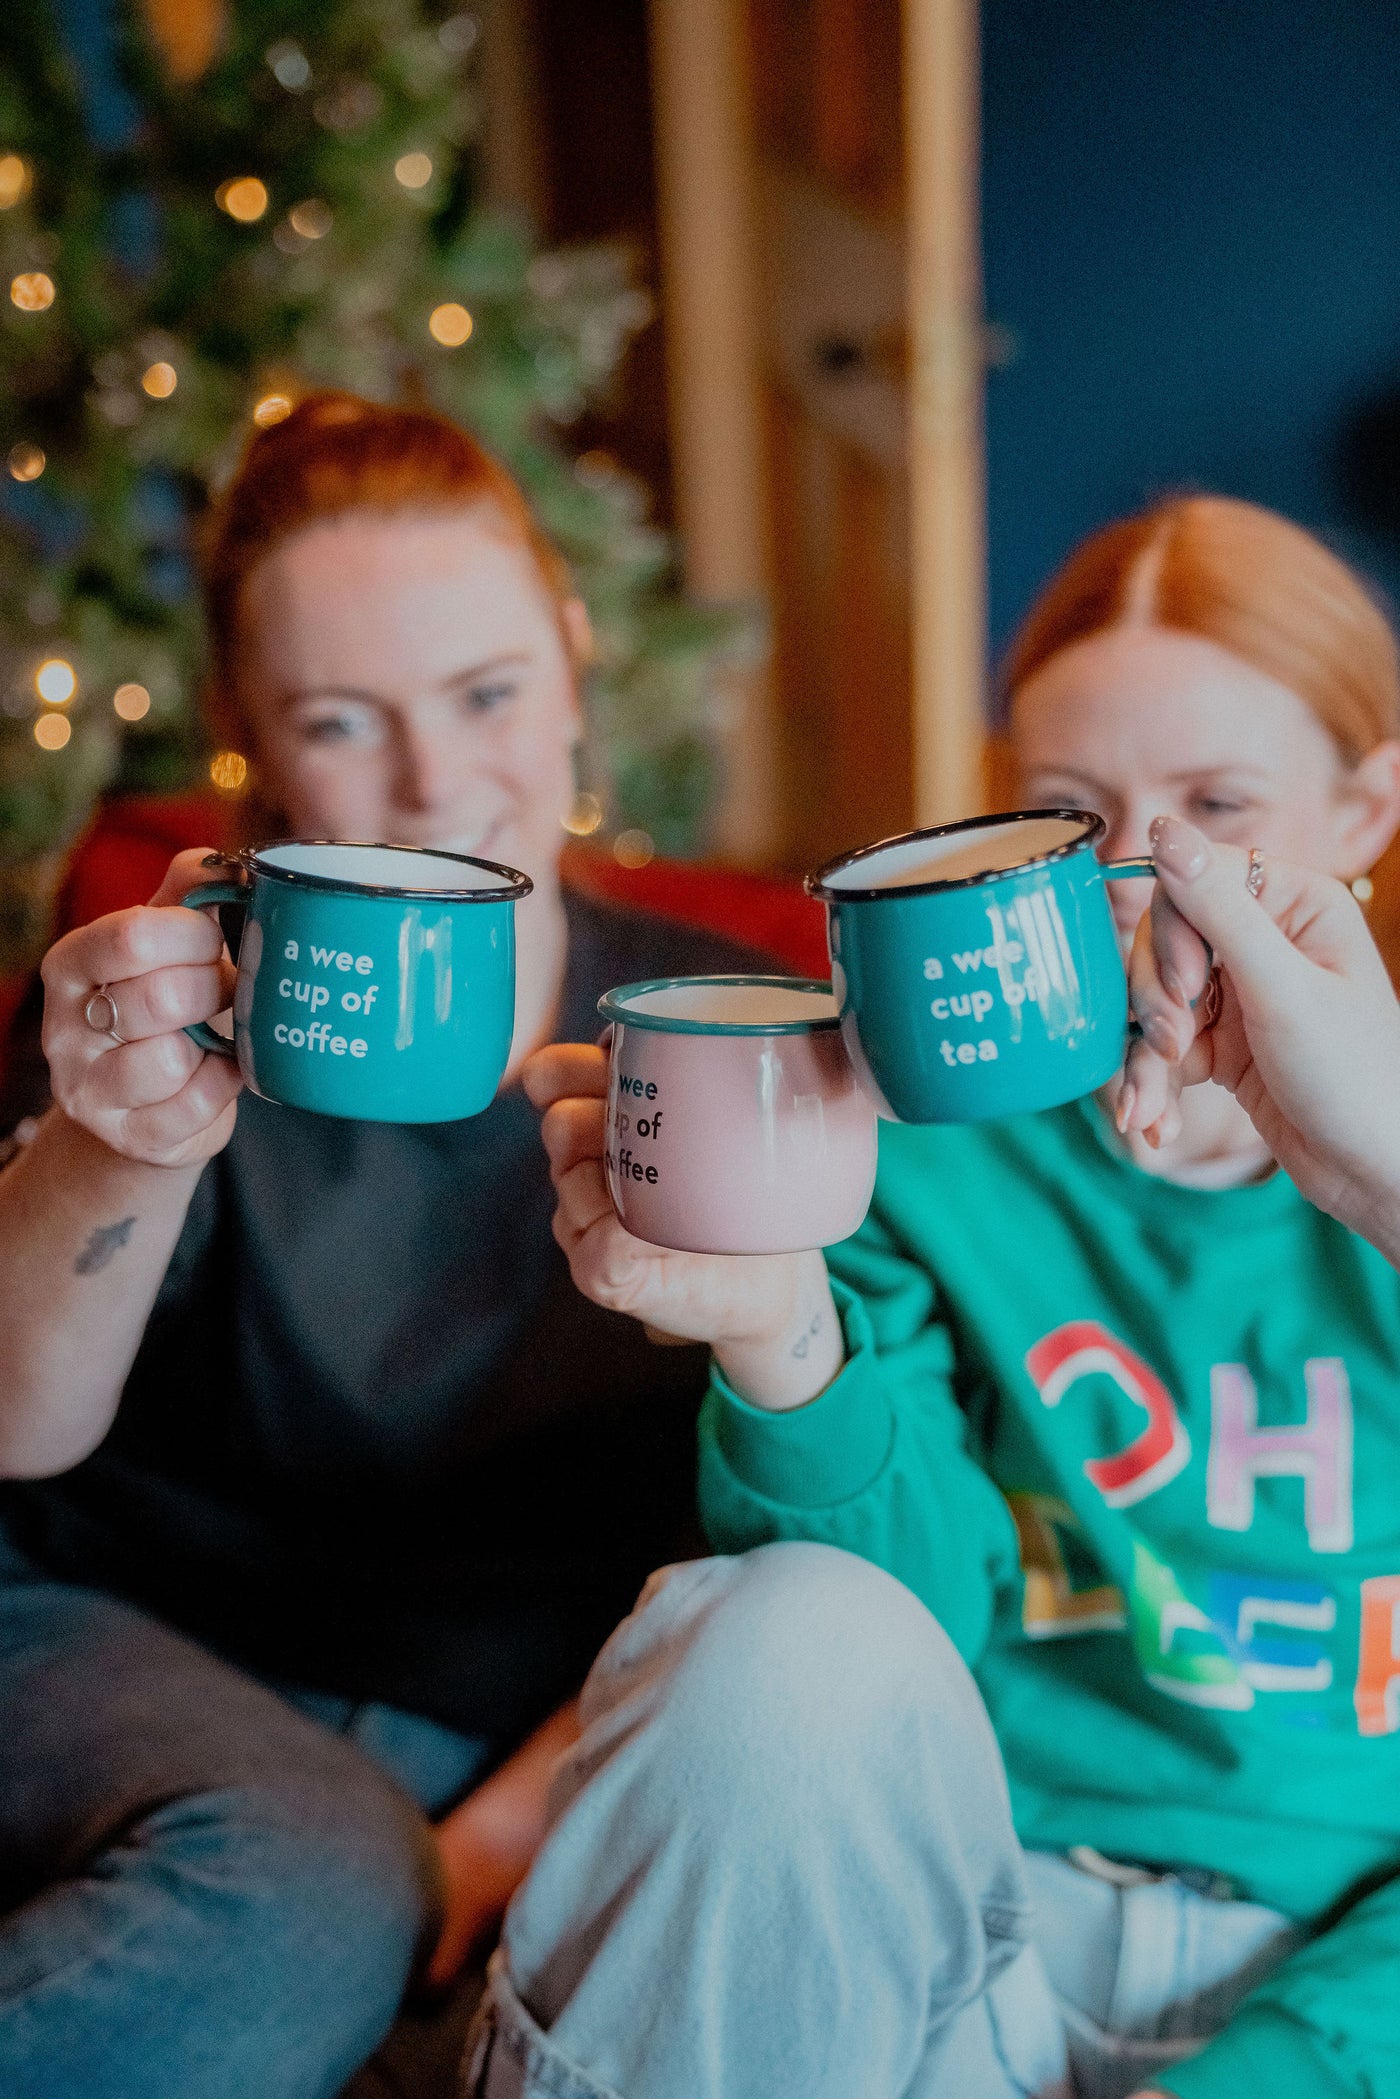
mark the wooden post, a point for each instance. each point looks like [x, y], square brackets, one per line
[705, 193]
[946, 464]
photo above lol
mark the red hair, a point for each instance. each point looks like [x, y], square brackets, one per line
[333, 454]
[1244, 578]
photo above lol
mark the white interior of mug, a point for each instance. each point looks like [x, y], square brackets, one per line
[383, 867]
[728, 1005]
[960, 855]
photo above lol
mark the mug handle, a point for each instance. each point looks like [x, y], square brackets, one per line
[195, 900]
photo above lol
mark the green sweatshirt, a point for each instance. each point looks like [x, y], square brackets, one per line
[1138, 1448]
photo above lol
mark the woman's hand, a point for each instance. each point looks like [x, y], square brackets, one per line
[156, 1097]
[1308, 1037]
[769, 1317]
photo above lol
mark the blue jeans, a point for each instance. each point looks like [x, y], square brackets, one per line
[205, 1893]
[781, 1866]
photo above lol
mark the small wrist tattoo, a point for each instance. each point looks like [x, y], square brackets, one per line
[802, 1345]
[107, 1240]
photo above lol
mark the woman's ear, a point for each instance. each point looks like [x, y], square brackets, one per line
[1369, 810]
[578, 632]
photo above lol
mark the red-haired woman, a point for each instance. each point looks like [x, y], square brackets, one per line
[323, 1484]
[1120, 1418]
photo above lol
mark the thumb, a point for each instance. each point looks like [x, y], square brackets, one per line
[1208, 884]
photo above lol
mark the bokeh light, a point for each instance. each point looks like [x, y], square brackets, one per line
[311, 218]
[272, 408]
[56, 681]
[585, 816]
[413, 170]
[228, 771]
[633, 848]
[32, 291]
[244, 198]
[449, 325]
[159, 380]
[26, 462]
[131, 702]
[15, 179]
[52, 731]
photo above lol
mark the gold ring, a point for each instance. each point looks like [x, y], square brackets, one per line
[1254, 878]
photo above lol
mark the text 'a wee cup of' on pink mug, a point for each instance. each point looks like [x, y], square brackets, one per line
[735, 1121]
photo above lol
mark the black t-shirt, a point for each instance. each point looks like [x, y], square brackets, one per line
[374, 1440]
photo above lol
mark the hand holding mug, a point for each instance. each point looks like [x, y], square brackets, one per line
[140, 1085]
[1308, 1033]
[769, 1317]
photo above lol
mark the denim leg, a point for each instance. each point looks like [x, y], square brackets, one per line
[780, 1859]
[202, 1894]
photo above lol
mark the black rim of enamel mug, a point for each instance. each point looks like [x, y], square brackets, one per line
[613, 1008]
[250, 860]
[819, 884]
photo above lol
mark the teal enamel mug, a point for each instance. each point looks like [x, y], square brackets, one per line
[977, 965]
[375, 982]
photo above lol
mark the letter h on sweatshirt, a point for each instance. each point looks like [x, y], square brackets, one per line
[1318, 1450]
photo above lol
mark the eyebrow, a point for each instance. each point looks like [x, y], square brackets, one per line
[453, 678]
[1196, 772]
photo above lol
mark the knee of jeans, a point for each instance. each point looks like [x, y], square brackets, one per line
[810, 1657]
[320, 1891]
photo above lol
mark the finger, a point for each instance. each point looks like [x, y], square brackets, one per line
[583, 1199]
[188, 870]
[139, 1074]
[1206, 882]
[167, 1125]
[573, 1130]
[127, 944]
[159, 1003]
[563, 1069]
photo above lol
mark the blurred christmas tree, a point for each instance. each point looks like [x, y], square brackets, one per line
[289, 204]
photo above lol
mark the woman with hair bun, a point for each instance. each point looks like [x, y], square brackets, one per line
[322, 1485]
[1100, 1794]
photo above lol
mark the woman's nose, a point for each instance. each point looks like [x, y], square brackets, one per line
[426, 775]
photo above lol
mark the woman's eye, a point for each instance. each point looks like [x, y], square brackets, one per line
[1217, 806]
[493, 693]
[352, 726]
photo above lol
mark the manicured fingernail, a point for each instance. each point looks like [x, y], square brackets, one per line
[1160, 1035]
[1173, 986]
[1179, 847]
[1127, 1101]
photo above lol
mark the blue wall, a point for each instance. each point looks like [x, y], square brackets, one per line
[1192, 227]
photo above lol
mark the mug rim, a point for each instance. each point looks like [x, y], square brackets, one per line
[250, 859]
[612, 1008]
[819, 885]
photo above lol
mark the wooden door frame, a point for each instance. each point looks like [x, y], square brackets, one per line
[706, 161]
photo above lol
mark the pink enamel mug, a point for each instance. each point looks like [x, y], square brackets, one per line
[735, 1121]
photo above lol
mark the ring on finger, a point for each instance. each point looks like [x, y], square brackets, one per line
[1254, 874]
[112, 1024]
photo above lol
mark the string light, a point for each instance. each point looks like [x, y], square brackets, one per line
[228, 771]
[311, 218]
[56, 681]
[450, 325]
[15, 179]
[244, 198]
[272, 408]
[159, 380]
[52, 731]
[633, 848]
[32, 291]
[291, 68]
[131, 702]
[413, 170]
[26, 462]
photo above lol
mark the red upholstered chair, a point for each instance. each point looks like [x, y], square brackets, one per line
[120, 858]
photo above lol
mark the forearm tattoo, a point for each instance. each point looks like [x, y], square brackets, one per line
[107, 1240]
